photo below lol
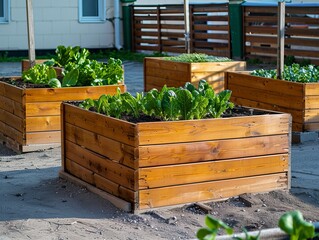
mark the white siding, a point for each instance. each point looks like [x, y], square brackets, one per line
[56, 23]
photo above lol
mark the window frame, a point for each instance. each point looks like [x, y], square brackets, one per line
[93, 19]
[6, 9]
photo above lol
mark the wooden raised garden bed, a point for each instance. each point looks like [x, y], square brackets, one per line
[30, 118]
[155, 164]
[301, 100]
[158, 72]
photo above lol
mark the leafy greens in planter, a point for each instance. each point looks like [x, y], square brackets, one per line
[68, 54]
[196, 58]
[94, 73]
[83, 73]
[44, 74]
[168, 104]
[294, 73]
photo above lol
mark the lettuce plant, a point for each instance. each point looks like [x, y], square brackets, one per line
[167, 104]
[293, 73]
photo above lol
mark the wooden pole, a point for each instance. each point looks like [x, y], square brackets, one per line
[30, 25]
[281, 38]
[187, 28]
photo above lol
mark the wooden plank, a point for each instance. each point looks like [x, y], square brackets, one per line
[11, 106]
[164, 176]
[301, 32]
[311, 126]
[78, 171]
[297, 114]
[158, 82]
[222, 36]
[118, 130]
[46, 123]
[160, 63]
[30, 27]
[261, 29]
[267, 96]
[115, 189]
[210, 129]
[312, 115]
[214, 190]
[94, 142]
[302, 42]
[11, 92]
[43, 137]
[312, 53]
[301, 20]
[111, 170]
[262, 39]
[42, 109]
[266, 84]
[12, 120]
[264, 50]
[126, 206]
[11, 133]
[260, 9]
[63, 139]
[218, 66]
[311, 102]
[201, 27]
[72, 93]
[166, 74]
[10, 143]
[156, 155]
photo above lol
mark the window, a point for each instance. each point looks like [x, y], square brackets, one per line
[91, 10]
[4, 11]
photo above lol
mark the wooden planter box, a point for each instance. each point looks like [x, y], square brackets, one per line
[30, 118]
[301, 100]
[158, 72]
[150, 165]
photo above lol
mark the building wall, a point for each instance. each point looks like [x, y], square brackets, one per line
[56, 23]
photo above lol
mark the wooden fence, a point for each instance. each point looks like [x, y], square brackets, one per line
[160, 28]
[301, 32]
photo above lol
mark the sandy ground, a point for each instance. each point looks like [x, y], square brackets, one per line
[36, 204]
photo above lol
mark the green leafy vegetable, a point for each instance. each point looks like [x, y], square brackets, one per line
[38, 74]
[54, 83]
[197, 57]
[64, 55]
[71, 78]
[294, 73]
[167, 104]
[213, 226]
[296, 227]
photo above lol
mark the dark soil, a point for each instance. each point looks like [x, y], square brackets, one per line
[237, 111]
[18, 82]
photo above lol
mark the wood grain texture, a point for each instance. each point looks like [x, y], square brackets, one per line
[42, 109]
[114, 171]
[72, 93]
[159, 72]
[115, 129]
[46, 123]
[11, 106]
[43, 137]
[215, 190]
[212, 129]
[178, 153]
[298, 99]
[163, 176]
